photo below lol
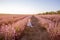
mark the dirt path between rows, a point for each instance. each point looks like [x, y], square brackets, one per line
[13, 26]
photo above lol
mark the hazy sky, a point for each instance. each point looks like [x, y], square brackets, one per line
[28, 6]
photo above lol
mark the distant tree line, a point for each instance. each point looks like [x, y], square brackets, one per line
[52, 12]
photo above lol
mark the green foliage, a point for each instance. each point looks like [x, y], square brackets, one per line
[52, 12]
[1, 37]
[58, 12]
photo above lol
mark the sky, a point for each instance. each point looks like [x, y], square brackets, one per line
[28, 6]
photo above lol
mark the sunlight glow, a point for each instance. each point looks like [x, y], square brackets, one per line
[28, 6]
[17, 9]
